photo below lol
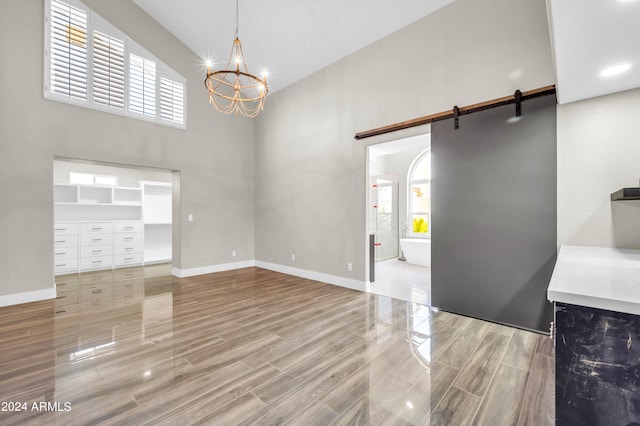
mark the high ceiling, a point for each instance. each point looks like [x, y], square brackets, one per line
[292, 38]
[590, 36]
[295, 38]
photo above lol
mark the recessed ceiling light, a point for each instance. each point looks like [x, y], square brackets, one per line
[615, 70]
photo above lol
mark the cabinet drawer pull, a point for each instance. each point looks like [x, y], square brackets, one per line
[128, 258]
[96, 261]
[96, 240]
[61, 253]
[96, 251]
[128, 248]
[60, 241]
[128, 238]
[97, 229]
[60, 264]
[128, 228]
[60, 229]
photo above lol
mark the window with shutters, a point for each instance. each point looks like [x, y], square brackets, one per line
[89, 62]
[108, 70]
[142, 85]
[171, 100]
[68, 65]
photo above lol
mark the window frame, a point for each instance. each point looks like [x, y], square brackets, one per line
[410, 209]
[95, 22]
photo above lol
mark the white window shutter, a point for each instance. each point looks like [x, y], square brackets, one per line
[108, 70]
[68, 50]
[171, 100]
[142, 85]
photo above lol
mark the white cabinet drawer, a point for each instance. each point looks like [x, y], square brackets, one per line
[128, 243]
[96, 239]
[96, 262]
[128, 248]
[96, 250]
[65, 229]
[65, 265]
[96, 228]
[65, 253]
[65, 241]
[121, 227]
[128, 259]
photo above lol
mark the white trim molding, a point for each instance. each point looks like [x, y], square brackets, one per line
[302, 273]
[316, 276]
[28, 296]
[201, 270]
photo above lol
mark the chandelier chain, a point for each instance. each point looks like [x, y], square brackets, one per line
[237, 13]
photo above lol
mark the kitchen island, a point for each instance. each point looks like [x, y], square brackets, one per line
[596, 292]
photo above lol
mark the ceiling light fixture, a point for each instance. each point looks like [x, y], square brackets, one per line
[615, 70]
[234, 89]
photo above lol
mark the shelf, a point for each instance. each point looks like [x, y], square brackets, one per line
[626, 194]
[127, 195]
[81, 203]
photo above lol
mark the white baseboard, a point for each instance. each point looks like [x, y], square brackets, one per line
[312, 275]
[28, 296]
[201, 270]
[302, 273]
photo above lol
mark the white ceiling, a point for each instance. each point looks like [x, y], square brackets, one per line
[291, 38]
[588, 36]
[295, 38]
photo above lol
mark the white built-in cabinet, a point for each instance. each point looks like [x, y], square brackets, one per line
[99, 227]
[157, 219]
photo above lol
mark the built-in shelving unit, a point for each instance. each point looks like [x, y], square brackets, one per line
[102, 227]
[88, 202]
[157, 219]
[96, 227]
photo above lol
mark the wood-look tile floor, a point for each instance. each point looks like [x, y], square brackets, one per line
[138, 346]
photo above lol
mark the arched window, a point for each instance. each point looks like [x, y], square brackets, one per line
[419, 196]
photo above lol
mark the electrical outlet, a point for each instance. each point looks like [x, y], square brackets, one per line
[233, 253]
[349, 267]
[293, 257]
[190, 217]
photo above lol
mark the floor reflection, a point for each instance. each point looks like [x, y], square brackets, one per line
[138, 346]
[402, 280]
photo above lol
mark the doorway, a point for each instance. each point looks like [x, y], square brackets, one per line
[109, 216]
[391, 218]
[384, 214]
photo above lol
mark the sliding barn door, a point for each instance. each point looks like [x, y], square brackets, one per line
[494, 213]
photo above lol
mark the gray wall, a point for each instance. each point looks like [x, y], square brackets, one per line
[494, 203]
[310, 198]
[598, 153]
[215, 155]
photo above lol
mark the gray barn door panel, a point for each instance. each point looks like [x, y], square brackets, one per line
[494, 214]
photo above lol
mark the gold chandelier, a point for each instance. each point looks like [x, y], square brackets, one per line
[234, 89]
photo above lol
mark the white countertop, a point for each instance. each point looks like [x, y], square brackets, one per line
[597, 277]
